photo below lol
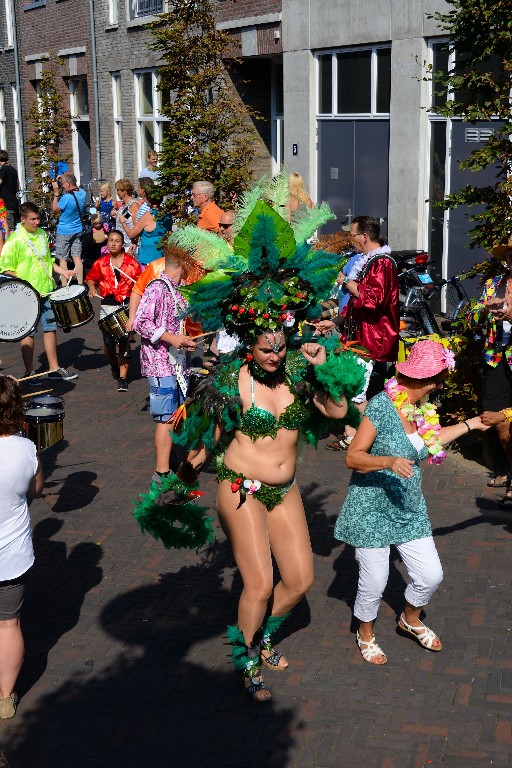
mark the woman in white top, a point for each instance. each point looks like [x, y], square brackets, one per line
[21, 479]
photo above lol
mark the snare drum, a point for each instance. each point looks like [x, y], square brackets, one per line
[113, 325]
[19, 308]
[47, 401]
[44, 426]
[71, 306]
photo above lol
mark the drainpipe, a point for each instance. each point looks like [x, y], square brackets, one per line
[95, 91]
[21, 159]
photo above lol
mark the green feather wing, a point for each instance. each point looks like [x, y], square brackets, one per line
[264, 228]
[205, 299]
[304, 223]
[210, 249]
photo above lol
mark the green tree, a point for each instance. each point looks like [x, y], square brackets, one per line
[50, 122]
[481, 80]
[209, 133]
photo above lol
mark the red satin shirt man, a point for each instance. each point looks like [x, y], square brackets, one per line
[374, 302]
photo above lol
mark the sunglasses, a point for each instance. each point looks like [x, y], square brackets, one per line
[225, 226]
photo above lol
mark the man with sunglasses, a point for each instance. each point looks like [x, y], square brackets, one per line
[226, 226]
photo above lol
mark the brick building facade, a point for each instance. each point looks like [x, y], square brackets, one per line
[341, 90]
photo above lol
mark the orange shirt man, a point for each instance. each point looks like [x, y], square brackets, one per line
[209, 212]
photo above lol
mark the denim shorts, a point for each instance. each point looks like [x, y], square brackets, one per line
[68, 246]
[47, 319]
[164, 397]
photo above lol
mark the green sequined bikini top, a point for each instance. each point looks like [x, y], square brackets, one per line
[257, 422]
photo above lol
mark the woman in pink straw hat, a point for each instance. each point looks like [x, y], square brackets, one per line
[385, 504]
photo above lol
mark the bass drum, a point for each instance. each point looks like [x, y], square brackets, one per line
[19, 308]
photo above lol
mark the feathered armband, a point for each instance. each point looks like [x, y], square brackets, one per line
[341, 375]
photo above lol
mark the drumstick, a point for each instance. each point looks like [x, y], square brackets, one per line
[202, 335]
[41, 392]
[124, 273]
[34, 376]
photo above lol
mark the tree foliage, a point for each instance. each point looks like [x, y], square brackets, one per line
[50, 122]
[481, 79]
[209, 134]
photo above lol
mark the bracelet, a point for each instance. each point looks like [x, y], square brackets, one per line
[507, 412]
[467, 425]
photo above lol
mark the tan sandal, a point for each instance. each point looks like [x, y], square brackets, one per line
[426, 637]
[371, 650]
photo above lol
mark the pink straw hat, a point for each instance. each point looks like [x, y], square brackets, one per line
[426, 359]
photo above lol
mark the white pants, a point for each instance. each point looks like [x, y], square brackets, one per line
[423, 566]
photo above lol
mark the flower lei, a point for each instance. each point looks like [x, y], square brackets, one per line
[425, 416]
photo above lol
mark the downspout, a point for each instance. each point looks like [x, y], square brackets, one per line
[95, 91]
[22, 169]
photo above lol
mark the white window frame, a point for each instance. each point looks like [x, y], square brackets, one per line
[118, 125]
[113, 12]
[277, 125]
[75, 118]
[3, 119]
[157, 119]
[334, 96]
[9, 25]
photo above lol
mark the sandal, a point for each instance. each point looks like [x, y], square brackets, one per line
[274, 657]
[255, 687]
[339, 445]
[499, 481]
[371, 650]
[506, 501]
[425, 637]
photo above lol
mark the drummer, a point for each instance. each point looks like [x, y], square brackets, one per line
[26, 255]
[113, 277]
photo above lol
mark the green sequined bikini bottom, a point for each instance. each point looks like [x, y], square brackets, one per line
[269, 495]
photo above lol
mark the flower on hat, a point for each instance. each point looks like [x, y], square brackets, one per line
[449, 359]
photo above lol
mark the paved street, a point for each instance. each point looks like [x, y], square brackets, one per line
[126, 659]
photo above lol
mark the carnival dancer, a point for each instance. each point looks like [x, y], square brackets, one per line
[113, 276]
[250, 413]
[384, 503]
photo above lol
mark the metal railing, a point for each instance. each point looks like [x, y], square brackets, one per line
[147, 8]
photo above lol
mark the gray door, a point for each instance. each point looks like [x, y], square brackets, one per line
[353, 160]
[84, 151]
[465, 138]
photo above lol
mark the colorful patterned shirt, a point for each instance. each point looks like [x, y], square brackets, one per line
[493, 350]
[159, 311]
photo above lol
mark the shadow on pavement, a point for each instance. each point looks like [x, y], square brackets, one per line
[54, 595]
[160, 702]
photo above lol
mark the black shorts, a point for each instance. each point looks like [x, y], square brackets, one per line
[11, 597]
[497, 393]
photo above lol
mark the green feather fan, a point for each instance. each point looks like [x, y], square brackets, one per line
[305, 223]
[269, 230]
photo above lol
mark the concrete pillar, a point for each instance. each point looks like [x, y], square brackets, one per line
[408, 150]
[300, 115]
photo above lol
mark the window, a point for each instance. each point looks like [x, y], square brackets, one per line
[3, 120]
[149, 120]
[146, 8]
[356, 82]
[113, 17]
[8, 39]
[79, 98]
[118, 125]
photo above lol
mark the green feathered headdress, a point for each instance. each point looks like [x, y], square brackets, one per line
[269, 279]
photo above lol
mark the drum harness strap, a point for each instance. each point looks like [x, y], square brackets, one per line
[34, 250]
[176, 358]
